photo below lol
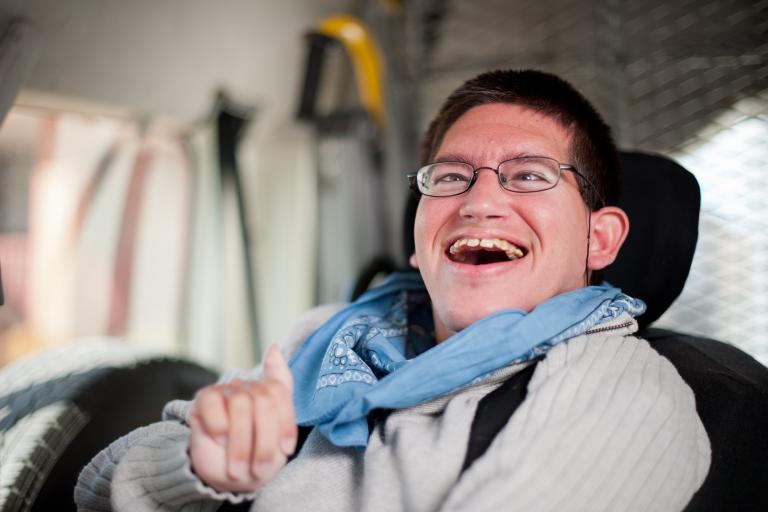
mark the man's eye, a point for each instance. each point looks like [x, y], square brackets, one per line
[528, 176]
[450, 178]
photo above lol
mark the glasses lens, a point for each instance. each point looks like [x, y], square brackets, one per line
[529, 174]
[444, 178]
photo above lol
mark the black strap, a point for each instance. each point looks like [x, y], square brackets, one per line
[374, 417]
[302, 437]
[494, 411]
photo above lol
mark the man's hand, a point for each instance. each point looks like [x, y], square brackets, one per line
[243, 431]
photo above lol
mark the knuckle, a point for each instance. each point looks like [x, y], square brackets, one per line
[240, 453]
[260, 407]
[239, 383]
[276, 389]
[239, 402]
[204, 394]
[211, 395]
[263, 396]
[256, 387]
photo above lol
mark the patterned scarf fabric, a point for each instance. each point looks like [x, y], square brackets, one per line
[358, 360]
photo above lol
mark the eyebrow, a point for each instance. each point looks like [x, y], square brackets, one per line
[456, 157]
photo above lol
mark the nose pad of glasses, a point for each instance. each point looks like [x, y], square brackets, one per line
[499, 178]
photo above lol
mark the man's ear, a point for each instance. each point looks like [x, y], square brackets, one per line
[609, 229]
[413, 261]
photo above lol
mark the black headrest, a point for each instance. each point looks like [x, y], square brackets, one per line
[662, 200]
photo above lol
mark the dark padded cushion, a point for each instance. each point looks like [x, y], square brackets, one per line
[117, 402]
[662, 201]
[731, 390]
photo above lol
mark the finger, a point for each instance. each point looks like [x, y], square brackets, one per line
[287, 430]
[283, 413]
[265, 435]
[210, 469]
[240, 440]
[265, 472]
[276, 368]
[210, 412]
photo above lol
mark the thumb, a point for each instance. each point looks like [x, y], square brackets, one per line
[276, 368]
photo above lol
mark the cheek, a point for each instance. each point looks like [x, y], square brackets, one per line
[429, 218]
[561, 230]
[573, 251]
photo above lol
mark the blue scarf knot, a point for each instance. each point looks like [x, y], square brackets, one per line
[365, 365]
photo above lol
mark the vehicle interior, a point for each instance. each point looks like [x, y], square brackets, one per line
[181, 180]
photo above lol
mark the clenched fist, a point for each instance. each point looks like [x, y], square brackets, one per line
[244, 431]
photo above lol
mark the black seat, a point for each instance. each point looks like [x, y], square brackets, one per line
[662, 200]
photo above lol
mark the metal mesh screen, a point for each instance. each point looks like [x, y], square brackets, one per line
[726, 295]
[686, 78]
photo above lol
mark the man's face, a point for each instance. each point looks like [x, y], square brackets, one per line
[549, 227]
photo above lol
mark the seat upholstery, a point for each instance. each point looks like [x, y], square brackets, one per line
[731, 391]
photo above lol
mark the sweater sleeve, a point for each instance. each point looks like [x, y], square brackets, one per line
[148, 469]
[95, 483]
[608, 424]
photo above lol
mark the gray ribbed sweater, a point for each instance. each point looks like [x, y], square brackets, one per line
[608, 425]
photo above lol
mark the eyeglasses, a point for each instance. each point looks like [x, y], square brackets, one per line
[524, 174]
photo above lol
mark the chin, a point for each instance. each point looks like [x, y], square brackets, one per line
[458, 320]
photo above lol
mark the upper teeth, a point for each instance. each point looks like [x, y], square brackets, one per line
[513, 252]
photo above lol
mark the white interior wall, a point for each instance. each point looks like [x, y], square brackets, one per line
[145, 60]
[169, 57]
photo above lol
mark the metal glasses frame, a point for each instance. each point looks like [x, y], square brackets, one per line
[562, 167]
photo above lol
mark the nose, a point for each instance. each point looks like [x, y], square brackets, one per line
[486, 199]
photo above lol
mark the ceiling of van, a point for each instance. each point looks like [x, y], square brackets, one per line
[169, 57]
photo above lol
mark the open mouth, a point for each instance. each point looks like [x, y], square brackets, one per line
[483, 251]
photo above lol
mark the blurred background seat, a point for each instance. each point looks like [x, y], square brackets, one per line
[60, 407]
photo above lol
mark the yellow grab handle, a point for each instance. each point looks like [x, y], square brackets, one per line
[366, 61]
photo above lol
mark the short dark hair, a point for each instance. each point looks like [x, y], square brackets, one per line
[593, 151]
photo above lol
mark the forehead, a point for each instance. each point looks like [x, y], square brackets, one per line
[488, 134]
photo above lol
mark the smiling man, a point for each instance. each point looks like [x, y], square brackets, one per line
[495, 379]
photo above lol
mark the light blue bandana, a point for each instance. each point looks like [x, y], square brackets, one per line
[356, 362]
